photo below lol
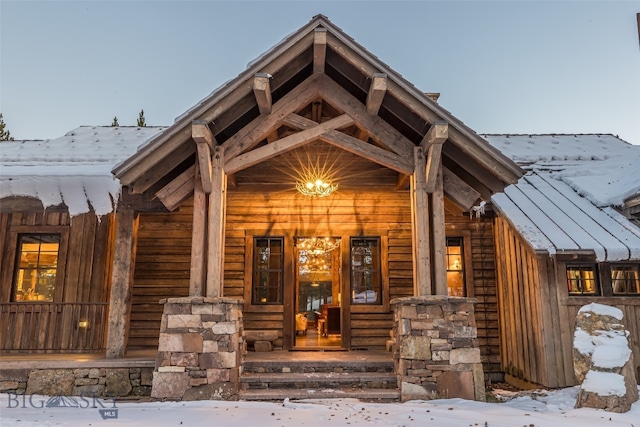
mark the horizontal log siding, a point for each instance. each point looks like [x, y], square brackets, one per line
[483, 285]
[371, 213]
[163, 258]
[84, 266]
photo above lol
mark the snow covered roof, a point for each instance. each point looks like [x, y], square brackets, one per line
[74, 169]
[565, 201]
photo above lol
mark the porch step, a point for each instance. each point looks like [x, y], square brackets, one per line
[319, 375]
[324, 380]
[281, 394]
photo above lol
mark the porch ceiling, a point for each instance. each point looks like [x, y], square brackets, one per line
[319, 73]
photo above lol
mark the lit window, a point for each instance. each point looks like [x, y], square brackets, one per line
[366, 275]
[625, 279]
[267, 270]
[582, 279]
[455, 267]
[36, 267]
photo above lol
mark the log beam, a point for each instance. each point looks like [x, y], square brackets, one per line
[178, 190]
[205, 141]
[198, 238]
[256, 131]
[432, 144]
[262, 92]
[217, 209]
[458, 191]
[382, 132]
[284, 145]
[124, 259]
[319, 49]
[439, 235]
[376, 93]
[420, 227]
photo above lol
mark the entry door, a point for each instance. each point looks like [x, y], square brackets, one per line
[318, 292]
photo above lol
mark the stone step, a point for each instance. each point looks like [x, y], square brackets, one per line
[323, 366]
[325, 380]
[281, 394]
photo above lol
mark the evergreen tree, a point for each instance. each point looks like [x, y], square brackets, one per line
[141, 120]
[5, 135]
[115, 121]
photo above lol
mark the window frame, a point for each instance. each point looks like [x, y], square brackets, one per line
[633, 267]
[9, 275]
[595, 268]
[250, 241]
[467, 267]
[383, 307]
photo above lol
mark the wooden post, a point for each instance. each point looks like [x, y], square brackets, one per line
[439, 237]
[198, 238]
[217, 208]
[121, 283]
[377, 90]
[262, 92]
[319, 49]
[420, 226]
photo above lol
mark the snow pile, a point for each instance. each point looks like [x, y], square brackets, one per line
[548, 409]
[74, 169]
[602, 168]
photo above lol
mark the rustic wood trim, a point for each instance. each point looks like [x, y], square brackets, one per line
[319, 49]
[178, 190]
[121, 283]
[439, 237]
[432, 144]
[251, 135]
[458, 191]
[289, 293]
[382, 132]
[198, 239]
[345, 285]
[367, 151]
[285, 144]
[201, 133]
[262, 92]
[353, 145]
[217, 208]
[377, 90]
[421, 232]
[204, 167]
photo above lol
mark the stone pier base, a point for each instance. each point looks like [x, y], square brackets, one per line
[200, 349]
[436, 348]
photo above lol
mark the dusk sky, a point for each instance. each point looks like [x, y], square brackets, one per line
[500, 66]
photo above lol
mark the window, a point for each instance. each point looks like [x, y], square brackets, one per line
[582, 279]
[36, 267]
[455, 267]
[268, 266]
[625, 279]
[366, 273]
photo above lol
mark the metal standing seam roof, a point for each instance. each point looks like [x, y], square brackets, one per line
[565, 201]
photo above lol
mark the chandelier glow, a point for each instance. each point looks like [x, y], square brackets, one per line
[318, 245]
[316, 188]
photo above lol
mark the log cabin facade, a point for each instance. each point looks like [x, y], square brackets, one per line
[215, 206]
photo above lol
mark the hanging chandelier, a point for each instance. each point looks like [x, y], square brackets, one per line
[315, 188]
[318, 245]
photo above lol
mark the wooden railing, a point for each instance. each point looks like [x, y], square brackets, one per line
[52, 327]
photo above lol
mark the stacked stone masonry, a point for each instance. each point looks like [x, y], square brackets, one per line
[436, 349]
[94, 382]
[200, 349]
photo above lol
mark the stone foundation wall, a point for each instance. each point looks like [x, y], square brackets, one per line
[200, 349]
[436, 350]
[98, 382]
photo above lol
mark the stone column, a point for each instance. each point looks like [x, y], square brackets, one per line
[200, 349]
[436, 350]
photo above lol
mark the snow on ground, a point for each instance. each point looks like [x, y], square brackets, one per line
[539, 409]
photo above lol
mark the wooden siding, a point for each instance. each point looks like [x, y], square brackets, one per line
[480, 267]
[163, 258]
[538, 316]
[83, 274]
